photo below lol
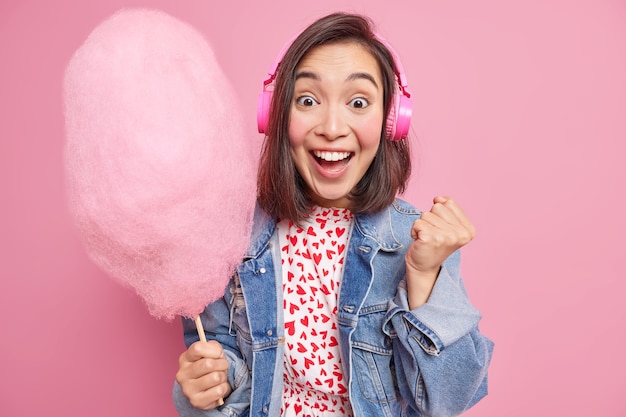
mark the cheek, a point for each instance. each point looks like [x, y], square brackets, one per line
[297, 130]
[370, 130]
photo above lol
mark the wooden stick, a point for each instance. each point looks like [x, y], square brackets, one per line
[200, 329]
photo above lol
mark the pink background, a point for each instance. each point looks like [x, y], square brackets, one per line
[520, 111]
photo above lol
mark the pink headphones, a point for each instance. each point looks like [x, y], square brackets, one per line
[398, 119]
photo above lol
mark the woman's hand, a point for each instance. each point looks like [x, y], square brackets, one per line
[438, 233]
[203, 374]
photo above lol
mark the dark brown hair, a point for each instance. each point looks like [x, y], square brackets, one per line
[281, 191]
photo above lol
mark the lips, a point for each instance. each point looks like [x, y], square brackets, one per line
[332, 160]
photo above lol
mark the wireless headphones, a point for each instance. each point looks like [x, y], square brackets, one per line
[400, 111]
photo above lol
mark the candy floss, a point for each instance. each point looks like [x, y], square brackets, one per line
[160, 177]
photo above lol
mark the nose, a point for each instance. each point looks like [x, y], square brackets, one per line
[333, 123]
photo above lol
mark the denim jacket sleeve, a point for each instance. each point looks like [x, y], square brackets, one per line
[441, 357]
[215, 320]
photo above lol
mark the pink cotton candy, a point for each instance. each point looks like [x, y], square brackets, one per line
[159, 165]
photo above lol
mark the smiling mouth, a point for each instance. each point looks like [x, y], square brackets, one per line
[332, 161]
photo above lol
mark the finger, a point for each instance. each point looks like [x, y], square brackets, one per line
[212, 397]
[462, 218]
[195, 371]
[441, 216]
[440, 199]
[446, 207]
[417, 228]
[452, 206]
[207, 366]
[210, 349]
[431, 227]
[212, 379]
[428, 225]
[438, 219]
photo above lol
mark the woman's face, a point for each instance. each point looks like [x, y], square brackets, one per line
[336, 119]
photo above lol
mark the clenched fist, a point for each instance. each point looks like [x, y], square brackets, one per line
[437, 234]
[203, 374]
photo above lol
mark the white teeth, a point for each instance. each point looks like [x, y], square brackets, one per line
[331, 156]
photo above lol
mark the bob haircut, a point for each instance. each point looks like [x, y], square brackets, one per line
[281, 191]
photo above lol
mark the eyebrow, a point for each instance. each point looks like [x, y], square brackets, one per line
[362, 76]
[307, 74]
[351, 77]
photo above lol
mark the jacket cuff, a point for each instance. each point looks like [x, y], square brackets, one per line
[447, 316]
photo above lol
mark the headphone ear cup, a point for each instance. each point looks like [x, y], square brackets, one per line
[403, 114]
[390, 125]
[263, 110]
[399, 117]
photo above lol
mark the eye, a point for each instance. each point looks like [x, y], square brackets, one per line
[359, 103]
[306, 101]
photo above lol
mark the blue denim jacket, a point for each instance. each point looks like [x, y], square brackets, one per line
[431, 361]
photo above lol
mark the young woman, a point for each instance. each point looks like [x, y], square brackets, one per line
[349, 301]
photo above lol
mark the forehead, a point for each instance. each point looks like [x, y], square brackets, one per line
[340, 58]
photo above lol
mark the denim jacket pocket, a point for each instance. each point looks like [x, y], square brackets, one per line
[372, 356]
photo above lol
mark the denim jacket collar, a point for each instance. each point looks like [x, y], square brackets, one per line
[376, 226]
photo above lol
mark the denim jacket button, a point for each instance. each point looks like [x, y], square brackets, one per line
[270, 332]
[262, 270]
